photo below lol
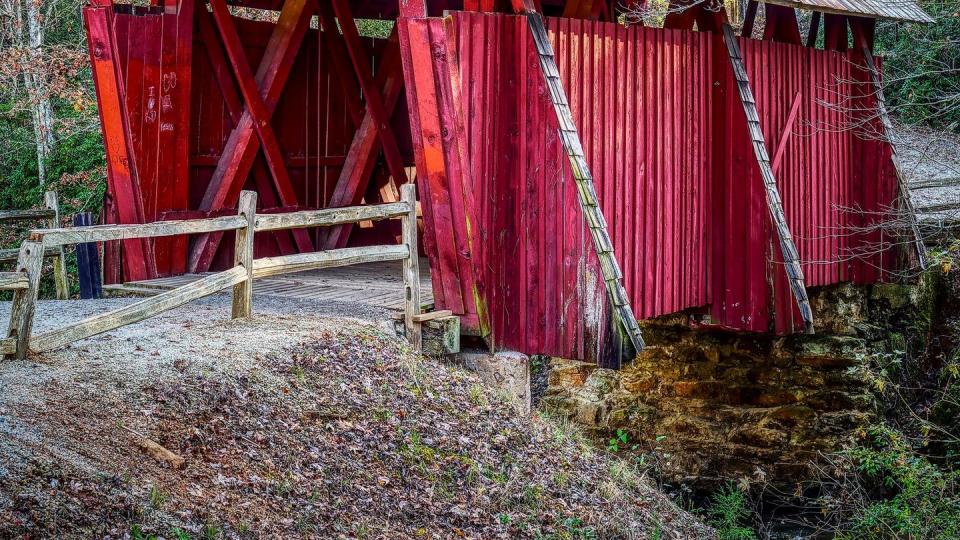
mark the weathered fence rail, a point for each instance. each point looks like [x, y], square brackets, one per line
[240, 277]
[51, 215]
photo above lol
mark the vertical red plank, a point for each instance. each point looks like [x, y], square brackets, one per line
[181, 81]
[121, 171]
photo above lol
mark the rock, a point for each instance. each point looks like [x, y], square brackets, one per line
[569, 373]
[506, 370]
[731, 403]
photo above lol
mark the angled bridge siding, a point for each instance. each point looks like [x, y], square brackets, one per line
[666, 138]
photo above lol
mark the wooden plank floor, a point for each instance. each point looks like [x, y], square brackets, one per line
[374, 284]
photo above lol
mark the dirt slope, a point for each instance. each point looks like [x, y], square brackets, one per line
[293, 425]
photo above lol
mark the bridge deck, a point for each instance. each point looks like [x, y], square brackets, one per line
[374, 284]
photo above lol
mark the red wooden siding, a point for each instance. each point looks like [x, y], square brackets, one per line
[179, 123]
[674, 171]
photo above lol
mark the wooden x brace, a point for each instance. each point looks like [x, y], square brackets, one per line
[372, 134]
[261, 94]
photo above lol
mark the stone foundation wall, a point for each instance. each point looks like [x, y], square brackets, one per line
[732, 405]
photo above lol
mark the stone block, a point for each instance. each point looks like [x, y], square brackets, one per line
[894, 295]
[603, 381]
[569, 373]
[759, 437]
[790, 415]
[837, 400]
[508, 371]
[441, 336]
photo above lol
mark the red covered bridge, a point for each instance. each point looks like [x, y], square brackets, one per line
[574, 173]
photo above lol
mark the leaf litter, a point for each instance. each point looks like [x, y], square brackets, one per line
[298, 423]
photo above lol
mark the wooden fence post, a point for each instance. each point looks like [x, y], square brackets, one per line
[59, 261]
[243, 255]
[25, 300]
[411, 267]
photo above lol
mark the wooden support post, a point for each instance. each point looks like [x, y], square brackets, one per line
[749, 19]
[788, 249]
[814, 29]
[411, 268]
[122, 179]
[59, 261]
[243, 255]
[25, 300]
[781, 25]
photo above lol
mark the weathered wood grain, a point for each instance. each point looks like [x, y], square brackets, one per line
[10, 255]
[411, 268]
[788, 248]
[59, 261]
[424, 317]
[24, 304]
[25, 215]
[330, 216]
[8, 346]
[272, 266]
[243, 256]
[138, 311]
[10, 281]
[102, 233]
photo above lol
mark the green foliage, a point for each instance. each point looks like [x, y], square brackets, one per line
[375, 28]
[77, 170]
[921, 500]
[922, 66]
[620, 440]
[574, 529]
[179, 534]
[728, 509]
[136, 533]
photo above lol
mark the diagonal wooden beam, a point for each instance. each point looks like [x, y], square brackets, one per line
[906, 197]
[791, 257]
[253, 101]
[362, 155]
[257, 109]
[625, 330]
[234, 105]
[242, 145]
[787, 132]
[374, 101]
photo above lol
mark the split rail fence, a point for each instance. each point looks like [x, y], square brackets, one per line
[51, 216]
[246, 223]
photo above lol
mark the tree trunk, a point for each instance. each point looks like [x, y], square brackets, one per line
[35, 80]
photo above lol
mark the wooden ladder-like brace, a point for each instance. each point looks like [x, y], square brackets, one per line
[791, 258]
[623, 317]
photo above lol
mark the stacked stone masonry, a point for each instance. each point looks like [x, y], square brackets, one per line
[734, 405]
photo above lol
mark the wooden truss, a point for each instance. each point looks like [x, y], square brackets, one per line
[252, 98]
